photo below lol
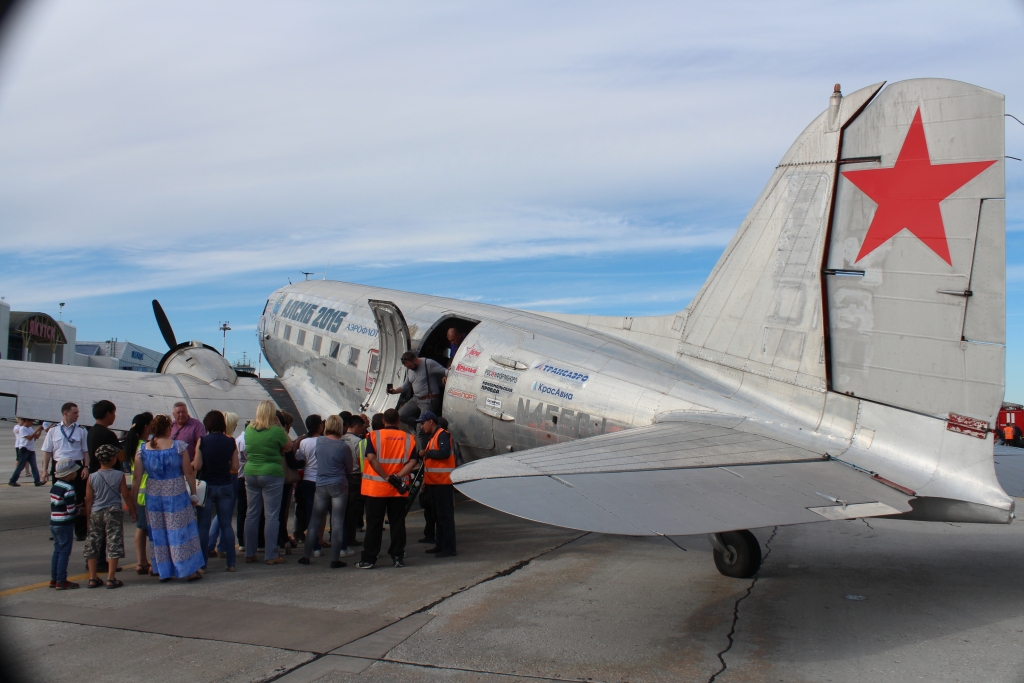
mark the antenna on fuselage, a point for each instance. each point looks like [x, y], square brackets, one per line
[308, 273]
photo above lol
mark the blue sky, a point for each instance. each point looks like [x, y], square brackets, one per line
[581, 157]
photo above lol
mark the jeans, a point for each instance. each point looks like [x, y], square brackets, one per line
[305, 494]
[413, 409]
[283, 509]
[330, 496]
[25, 456]
[63, 538]
[429, 514]
[375, 509]
[264, 494]
[219, 500]
[354, 508]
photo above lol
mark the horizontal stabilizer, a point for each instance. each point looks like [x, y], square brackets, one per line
[675, 479]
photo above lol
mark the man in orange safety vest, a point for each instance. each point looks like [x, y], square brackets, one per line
[438, 463]
[390, 457]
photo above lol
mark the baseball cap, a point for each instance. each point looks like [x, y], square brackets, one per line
[427, 416]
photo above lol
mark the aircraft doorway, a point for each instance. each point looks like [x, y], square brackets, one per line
[435, 346]
[393, 338]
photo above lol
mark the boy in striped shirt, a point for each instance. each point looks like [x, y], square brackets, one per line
[63, 510]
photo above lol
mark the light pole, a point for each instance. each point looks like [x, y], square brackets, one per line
[224, 328]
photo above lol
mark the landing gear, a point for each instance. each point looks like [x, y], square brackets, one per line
[737, 553]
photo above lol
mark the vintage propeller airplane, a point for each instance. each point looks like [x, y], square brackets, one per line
[844, 359]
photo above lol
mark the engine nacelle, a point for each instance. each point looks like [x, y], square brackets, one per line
[201, 361]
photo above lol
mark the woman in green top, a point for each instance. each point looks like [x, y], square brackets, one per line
[264, 480]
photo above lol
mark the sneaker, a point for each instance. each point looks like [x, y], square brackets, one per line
[364, 565]
[316, 553]
[277, 560]
[53, 584]
[13, 483]
[39, 483]
[347, 553]
[338, 564]
[303, 560]
[398, 562]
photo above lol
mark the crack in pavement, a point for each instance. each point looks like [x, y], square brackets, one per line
[736, 609]
[866, 522]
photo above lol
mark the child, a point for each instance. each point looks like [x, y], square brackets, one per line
[63, 509]
[104, 492]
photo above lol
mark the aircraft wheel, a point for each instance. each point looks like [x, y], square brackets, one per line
[742, 558]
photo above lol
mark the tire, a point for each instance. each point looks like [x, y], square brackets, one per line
[746, 555]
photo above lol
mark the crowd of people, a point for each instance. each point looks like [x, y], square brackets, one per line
[193, 489]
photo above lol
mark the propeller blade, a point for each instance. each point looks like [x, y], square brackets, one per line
[164, 324]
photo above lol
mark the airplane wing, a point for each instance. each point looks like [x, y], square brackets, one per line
[38, 390]
[675, 478]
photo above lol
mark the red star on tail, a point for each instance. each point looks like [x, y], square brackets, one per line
[908, 194]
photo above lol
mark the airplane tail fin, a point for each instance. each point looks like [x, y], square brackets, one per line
[889, 208]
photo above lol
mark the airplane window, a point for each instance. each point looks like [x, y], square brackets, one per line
[353, 356]
[275, 328]
[335, 347]
[374, 363]
[287, 332]
[318, 342]
[300, 338]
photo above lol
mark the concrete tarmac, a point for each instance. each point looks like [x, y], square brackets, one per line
[879, 600]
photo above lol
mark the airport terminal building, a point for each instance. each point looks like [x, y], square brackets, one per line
[36, 337]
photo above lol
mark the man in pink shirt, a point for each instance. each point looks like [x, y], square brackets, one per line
[186, 428]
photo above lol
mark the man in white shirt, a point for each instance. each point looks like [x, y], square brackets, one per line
[66, 440]
[25, 436]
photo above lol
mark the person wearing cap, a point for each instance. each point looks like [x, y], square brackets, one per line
[438, 463]
[64, 510]
[390, 458]
[67, 441]
[425, 377]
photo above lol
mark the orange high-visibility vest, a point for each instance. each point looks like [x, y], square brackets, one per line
[394, 449]
[438, 471]
[1008, 432]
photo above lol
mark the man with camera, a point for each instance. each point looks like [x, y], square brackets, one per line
[390, 457]
[425, 378]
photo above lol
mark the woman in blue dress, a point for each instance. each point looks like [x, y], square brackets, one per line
[170, 503]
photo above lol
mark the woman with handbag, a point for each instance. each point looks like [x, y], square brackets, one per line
[216, 457]
[264, 480]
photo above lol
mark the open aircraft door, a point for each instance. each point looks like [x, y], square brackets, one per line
[481, 382]
[393, 338]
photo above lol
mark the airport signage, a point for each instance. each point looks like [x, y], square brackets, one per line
[42, 330]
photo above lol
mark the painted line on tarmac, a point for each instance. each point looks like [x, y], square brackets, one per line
[46, 584]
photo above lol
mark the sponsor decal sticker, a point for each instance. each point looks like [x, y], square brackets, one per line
[465, 369]
[473, 352]
[361, 329]
[501, 375]
[967, 425]
[465, 395]
[566, 374]
[557, 392]
[493, 402]
[493, 388]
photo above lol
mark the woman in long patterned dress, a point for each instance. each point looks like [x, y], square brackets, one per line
[170, 513]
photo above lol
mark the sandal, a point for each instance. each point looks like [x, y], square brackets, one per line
[194, 577]
[114, 583]
[94, 583]
[143, 569]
